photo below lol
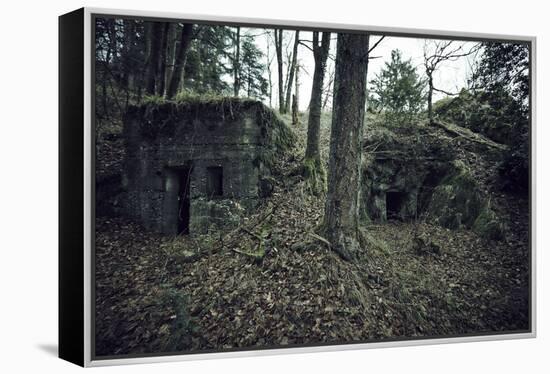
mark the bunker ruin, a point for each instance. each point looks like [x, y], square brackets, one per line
[193, 166]
[413, 172]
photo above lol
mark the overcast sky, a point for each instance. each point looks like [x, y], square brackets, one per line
[451, 76]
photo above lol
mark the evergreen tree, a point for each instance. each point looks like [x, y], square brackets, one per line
[252, 70]
[504, 66]
[207, 61]
[398, 91]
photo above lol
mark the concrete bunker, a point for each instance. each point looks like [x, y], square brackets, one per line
[195, 166]
[390, 190]
[416, 172]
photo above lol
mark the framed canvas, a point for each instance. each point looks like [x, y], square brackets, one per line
[243, 186]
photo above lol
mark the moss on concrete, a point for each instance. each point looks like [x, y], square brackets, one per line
[456, 201]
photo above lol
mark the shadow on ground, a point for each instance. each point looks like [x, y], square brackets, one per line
[50, 349]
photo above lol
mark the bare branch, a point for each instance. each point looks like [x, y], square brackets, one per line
[445, 92]
[305, 45]
[376, 44]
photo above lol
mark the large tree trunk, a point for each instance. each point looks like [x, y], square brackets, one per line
[344, 174]
[291, 71]
[181, 57]
[279, 54]
[154, 40]
[237, 64]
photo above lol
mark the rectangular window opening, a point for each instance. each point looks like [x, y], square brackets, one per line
[214, 181]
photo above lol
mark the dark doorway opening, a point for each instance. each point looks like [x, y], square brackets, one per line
[214, 181]
[394, 203]
[184, 202]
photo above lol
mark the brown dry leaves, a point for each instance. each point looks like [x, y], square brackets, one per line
[301, 297]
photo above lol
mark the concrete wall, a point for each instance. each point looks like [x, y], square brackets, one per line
[391, 175]
[161, 139]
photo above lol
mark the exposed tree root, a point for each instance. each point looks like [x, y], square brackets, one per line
[469, 135]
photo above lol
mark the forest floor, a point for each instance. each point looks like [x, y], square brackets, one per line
[197, 294]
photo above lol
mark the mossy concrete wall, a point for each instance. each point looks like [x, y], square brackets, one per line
[386, 175]
[424, 168]
[162, 138]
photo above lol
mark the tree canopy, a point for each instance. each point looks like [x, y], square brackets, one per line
[136, 58]
[504, 71]
[504, 66]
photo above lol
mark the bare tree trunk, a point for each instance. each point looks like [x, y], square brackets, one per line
[105, 113]
[105, 76]
[291, 71]
[320, 54]
[297, 85]
[129, 38]
[161, 76]
[329, 87]
[295, 114]
[181, 57]
[237, 64]
[437, 52]
[249, 83]
[279, 54]
[341, 220]
[269, 80]
[430, 95]
[173, 39]
[154, 36]
[313, 169]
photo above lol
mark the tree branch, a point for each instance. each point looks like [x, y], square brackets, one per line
[445, 92]
[376, 44]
